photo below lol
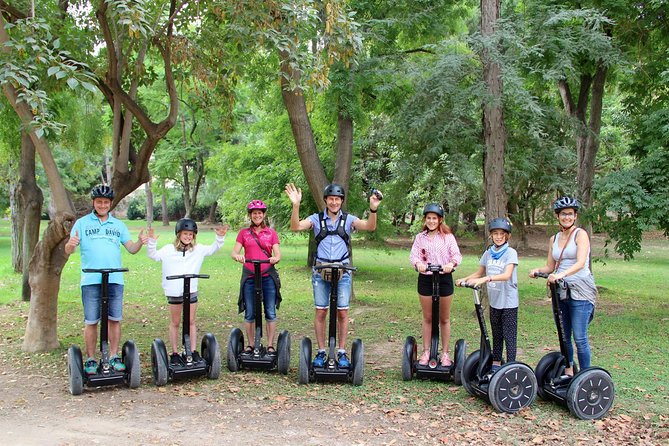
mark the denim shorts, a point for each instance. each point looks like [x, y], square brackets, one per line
[91, 297]
[322, 291]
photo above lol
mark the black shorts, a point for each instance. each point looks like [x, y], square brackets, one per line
[178, 300]
[445, 284]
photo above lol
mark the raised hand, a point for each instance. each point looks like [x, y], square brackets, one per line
[294, 193]
[374, 201]
[73, 242]
[221, 230]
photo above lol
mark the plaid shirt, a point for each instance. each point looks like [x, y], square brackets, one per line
[438, 250]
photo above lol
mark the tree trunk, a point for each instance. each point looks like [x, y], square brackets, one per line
[213, 218]
[163, 206]
[344, 150]
[46, 266]
[149, 203]
[494, 131]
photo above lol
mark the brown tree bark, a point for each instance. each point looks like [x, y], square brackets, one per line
[494, 131]
[149, 203]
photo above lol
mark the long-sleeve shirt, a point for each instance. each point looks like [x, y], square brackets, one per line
[181, 262]
[437, 250]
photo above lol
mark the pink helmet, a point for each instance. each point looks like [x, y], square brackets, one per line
[258, 205]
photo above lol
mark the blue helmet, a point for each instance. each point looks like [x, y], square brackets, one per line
[500, 223]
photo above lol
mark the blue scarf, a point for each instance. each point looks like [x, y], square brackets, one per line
[497, 252]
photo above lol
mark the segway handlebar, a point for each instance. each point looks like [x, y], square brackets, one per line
[469, 285]
[105, 270]
[540, 274]
[343, 266]
[433, 268]
[256, 261]
[188, 276]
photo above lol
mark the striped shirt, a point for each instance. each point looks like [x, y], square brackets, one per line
[437, 250]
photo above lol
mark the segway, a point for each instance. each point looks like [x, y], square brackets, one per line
[259, 358]
[433, 369]
[512, 387]
[105, 375]
[188, 365]
[331, 371]
[589, 393]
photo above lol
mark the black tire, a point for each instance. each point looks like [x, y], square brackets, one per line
[459, 361]
[211, 353]
[235, 346]
[512, 388]
[544, 372]
[133, 369]
[590, 394]
[159, 362]
[469, 372]
[304, 366]
[283, 352]
[409, 356]
[75, 370]
[358, 359]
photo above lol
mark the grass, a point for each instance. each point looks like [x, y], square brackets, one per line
[628, 334]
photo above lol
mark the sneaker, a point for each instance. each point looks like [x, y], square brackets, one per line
[175, 359]
[342, 360]
[446, 361]
[91, 366]
[196, 356]
[319, 360]
[116, 362]
[424, 358]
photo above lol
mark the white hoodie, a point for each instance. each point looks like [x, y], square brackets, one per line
[180, 262]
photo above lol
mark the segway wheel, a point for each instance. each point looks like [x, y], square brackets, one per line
[304, 361]
[409, 356]
[283, 352]
[130, 357]
[235, 346]
[544, 372]
[358, 361]
[512, 387]
[211, 353]
[590, 394]
[75, 370]
[459, 361]
[159, 362]
[469, 368]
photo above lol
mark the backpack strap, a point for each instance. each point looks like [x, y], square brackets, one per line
[255, 237]
[340, 231]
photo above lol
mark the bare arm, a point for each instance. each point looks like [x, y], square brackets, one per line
[370, 223]
[295, 196]
[236, 253]
[276, 254]
[475, 275]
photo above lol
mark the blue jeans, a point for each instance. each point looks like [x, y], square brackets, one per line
[322, 291]
[576, 316]
[269, 299]
[91, 297]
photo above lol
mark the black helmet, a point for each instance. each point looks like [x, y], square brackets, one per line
[334, 190]
[185, 224]
[500, 223]
[102, 191]
[435, 208]
[566, 203]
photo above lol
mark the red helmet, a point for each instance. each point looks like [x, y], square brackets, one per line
[256, 205]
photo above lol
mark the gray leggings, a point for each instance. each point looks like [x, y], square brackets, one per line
[504, 323]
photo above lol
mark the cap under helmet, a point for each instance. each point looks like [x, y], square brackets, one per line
[102, 191]
[566, 203]
[185, 224]
[435, 208]
[334, 190]
[500, 223]
[256, 205]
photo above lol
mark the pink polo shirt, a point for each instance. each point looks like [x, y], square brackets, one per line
[267, 238]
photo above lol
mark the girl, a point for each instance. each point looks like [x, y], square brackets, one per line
[498, 269]
[435, 244]
[184, 256]
[260, 242]
[569, 262]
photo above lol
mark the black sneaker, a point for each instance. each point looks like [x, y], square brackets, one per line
[196, 357]
[175, 359]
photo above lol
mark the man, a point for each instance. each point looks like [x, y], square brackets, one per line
[332, 229]
[100, 235]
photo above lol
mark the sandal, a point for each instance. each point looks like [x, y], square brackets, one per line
[424, 358]
[446, 361]
[271, 350]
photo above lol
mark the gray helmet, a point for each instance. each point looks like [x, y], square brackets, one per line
[500, 223]
[185, 224]
[102, 191]
[566, 203]
[435, 208]
[334, 190]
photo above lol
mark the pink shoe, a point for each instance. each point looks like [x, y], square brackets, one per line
[446, 361]
[424, 358]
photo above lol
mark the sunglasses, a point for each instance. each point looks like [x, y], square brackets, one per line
[423, 253]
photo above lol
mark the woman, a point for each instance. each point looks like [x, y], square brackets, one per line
[568, 264]
[435, 244]
[260, 242]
